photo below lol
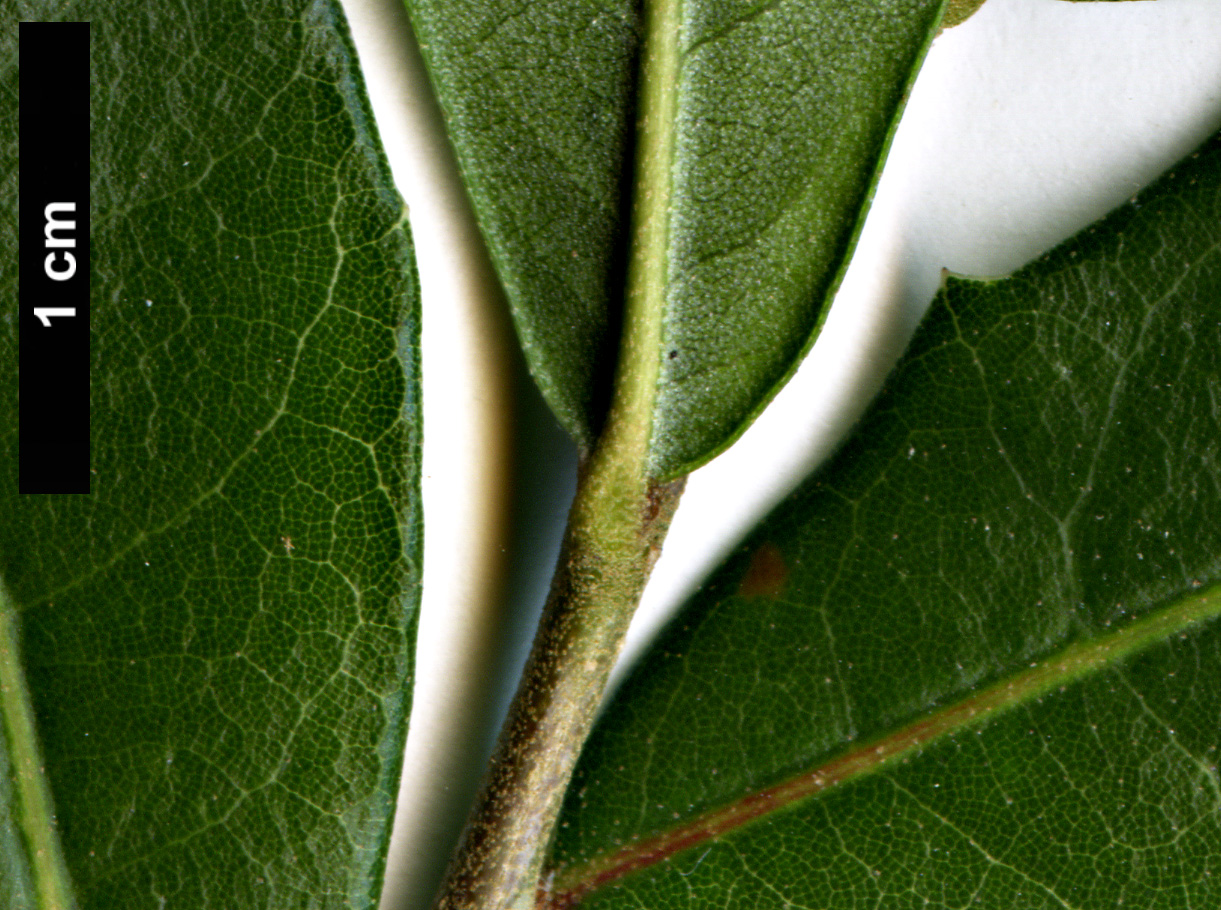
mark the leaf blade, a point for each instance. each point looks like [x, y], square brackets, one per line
[218, 641]
[785, 116]
[538, 104]
[1077, 662]
[981, 518]
[782, 117]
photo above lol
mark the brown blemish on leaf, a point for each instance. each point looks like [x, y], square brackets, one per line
[766, 575]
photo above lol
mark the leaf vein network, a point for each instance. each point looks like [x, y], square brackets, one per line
[979, 848]
[145, 535]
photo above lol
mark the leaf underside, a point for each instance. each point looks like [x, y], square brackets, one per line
[1041, 478]
[783, 113]
[218, 639]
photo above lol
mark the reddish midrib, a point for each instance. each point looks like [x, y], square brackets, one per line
[753, 806]
[571, 885]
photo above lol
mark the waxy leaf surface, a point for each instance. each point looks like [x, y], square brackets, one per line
[780, 115]
[975, 661]
[218, 639]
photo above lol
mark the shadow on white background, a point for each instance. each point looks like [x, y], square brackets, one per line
[1026, 124]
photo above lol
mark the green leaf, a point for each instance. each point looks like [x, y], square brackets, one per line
[959, 11]
[217, 640]
[775, 120]
[976, 659]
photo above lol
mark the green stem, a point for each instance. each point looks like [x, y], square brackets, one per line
[35, 817]
[603, 566]
[615, 529]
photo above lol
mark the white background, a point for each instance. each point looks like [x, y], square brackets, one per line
[1027, 123]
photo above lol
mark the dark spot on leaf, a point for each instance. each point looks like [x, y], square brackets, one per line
[766, 575]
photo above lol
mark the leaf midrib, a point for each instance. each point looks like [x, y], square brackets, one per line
[629, 427]
[1071, 664]
[36, 817]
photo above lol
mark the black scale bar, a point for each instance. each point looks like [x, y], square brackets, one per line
[54, 239]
